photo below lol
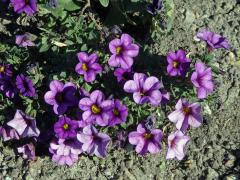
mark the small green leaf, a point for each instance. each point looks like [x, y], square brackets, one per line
[104, 3]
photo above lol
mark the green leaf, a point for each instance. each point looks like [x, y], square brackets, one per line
[104, 3]
[69, 5]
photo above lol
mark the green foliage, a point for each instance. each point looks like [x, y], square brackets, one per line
[104, 3]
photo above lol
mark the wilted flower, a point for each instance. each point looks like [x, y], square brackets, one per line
[25, 86]
[5, 71]
[154, 7]
[123, 50]
[61, 96]
[27, 6]
[214, 41]
[8, 133]
[93, 141]
[23, 40]
[65, 128]
[178, 63]
[88, 66]
[186, 114]
[123, 74]
[27, 151]
[176, 143]
[7, 87]
[145, 89]
[119, 113]
[202, 80]
[24, 125]
[146, 140]
[96, 108]
[65, 151]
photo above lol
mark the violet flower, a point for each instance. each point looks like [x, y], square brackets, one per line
[146, 140]
[88, 66]
[27, 6]
[96, 108]
[5, 71]
[27, 151]
[123, 75]
[24, 41]
[25, 86]
[24, 125]
[176, 145]
[7, 87]
[186, 114]
[178, 63]
[214, 41]
[145, 89]
[119, 113]
[202, 80]
[123, 51]
[65, 128]
[61, 96]
[93, 141]
[154, 7]
[8, 133]
[65, 151]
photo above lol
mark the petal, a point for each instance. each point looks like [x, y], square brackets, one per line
[82, 57]
[134, 137]
[126, 62]
[90, 76]
[126, 39]
[176, 116]
[49, 97]
[151, 83]
[130, 86]
[201, 92]
[170, 154]
[56, 86]
[153, 148]
[97, 96]
[132, 50]
[114, 60]
[155, 97]
[113, 45]
[85, 104]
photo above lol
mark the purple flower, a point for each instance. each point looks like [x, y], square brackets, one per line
[8, 133]
[93, 141]
[27, 151]
[23, 40]
[146, 140]
[66, 128]
[5, 71]
[145, 89]
[214, 41]
[61, 96]
[176, 143]
[88, 66]
[119, 113]
[65, 151]
[178, 63]
[27, 6]
[154, 7]
[202, 80]
[25, 86]
[186, 114]
[123, 50]
[24, 125]
[7, 87]
[96, 108]
[123, 74]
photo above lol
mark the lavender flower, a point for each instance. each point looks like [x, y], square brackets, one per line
[146, 140]
[202, 80]
[186, 114]
[154, 7]
[93, 141]
[8, 133]
[5, 71]
[66, 128]
[123, 51]
[214, 41]
[65, 151]
[178, 63]
[145, 89]
[7, 87]
[27, 151]
[27, 6]
[123, 74]
[96, 108]
[176, 143]
[119, 113]
[24, 40]
[25, 86]
[24, 125]
[61, 96]
[88, 66]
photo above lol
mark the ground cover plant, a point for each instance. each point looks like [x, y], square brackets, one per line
[78, 78]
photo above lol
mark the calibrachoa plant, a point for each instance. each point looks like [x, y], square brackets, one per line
[86, 115]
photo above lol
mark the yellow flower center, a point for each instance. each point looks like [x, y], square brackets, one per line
[147, 136]
[186, 110]
[95, 109]
[2, 69]
[84, 67]
[65, 126]
[175, 64]
[115, 112]
[118, 50]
